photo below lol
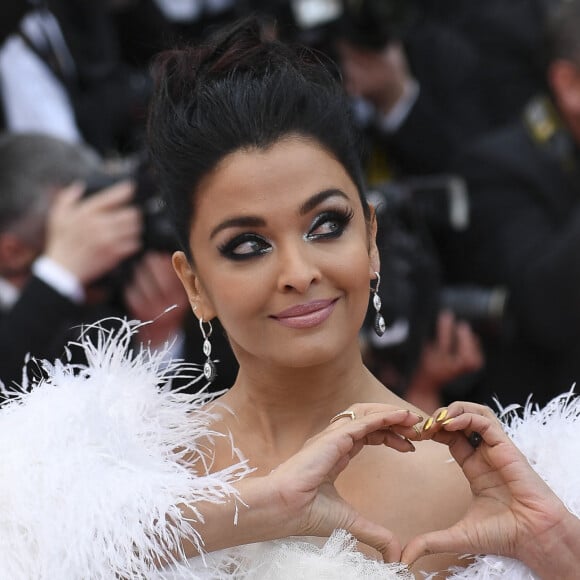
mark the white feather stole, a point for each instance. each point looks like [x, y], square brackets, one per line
[92, 467]
[93, 472]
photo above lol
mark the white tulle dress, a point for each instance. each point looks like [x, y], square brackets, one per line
[92, 474]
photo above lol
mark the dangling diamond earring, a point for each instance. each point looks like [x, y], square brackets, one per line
[380, 325]
[209, 368]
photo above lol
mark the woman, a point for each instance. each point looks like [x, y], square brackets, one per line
[256, 151]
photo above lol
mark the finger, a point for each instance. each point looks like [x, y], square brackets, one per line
[374, 421]
[376, 536]
[446, 332]
[433, 423]
[66, 199]
[145, 280]
[366, 409]
[124, 221]
[348, 438]
[390, 438]
[468, 348]
[457, 431]
[116, 195]
[434, 543]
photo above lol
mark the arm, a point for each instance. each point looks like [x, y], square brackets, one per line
[30, 326]
[299, 498]
[514, 513]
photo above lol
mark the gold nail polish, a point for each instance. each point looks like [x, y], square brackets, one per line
[441, 415]
[428, 424]
[417, 431]
[448, 421]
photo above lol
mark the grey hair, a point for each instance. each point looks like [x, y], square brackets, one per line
[33, 165]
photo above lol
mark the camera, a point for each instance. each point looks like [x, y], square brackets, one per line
[158, 233]
[437, 202]
[410, 213]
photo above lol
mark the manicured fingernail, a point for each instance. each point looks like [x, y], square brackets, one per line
[441, 415]
[411, 444]
[428, 424]
[447, 421]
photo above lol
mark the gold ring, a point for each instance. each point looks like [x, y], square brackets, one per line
[417, 431]
[343, 415]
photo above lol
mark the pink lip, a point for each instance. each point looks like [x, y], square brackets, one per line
[306, 315]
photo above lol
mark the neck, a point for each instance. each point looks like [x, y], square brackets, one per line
[293, 404]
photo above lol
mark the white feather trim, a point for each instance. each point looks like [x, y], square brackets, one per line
[93, 469]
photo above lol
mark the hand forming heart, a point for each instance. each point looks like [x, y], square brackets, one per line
[513, 512]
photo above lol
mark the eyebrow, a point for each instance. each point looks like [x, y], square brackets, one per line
[318, 198]
[255, 221]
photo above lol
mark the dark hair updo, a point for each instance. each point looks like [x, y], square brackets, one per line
[241, 88]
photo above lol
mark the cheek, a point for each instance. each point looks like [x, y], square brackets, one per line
[237, 296]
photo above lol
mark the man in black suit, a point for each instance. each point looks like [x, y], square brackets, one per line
[524, 184]
[53, 244]
[429, 76]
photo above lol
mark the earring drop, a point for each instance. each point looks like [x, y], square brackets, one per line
[380, 325]
[209, 368]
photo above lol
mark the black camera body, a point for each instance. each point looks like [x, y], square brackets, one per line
[157, 234]
[410, 212]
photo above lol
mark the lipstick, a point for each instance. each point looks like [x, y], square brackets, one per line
[306, 315]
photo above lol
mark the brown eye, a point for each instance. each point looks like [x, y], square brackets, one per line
[329, 224]
[245, 246]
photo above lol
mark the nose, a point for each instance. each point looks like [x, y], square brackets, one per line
[298, 268]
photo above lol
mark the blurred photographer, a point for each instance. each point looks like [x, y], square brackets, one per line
[68, 52]
[524, 188]
[429, 353]
[425, 75]
[57, 246]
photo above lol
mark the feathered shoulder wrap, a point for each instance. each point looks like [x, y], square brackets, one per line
[97, 461]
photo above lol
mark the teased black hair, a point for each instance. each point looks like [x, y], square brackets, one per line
[241, 88]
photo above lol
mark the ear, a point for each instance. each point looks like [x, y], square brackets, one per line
[375, 259]
[564, 79]
[200, 302]
[16, 257]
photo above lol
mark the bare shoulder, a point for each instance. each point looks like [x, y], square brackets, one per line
[216, 442]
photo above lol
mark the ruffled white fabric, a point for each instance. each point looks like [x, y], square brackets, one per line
[93, 467]
[292, 559]
[96, 461]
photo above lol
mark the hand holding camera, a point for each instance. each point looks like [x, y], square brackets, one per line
[91, 236]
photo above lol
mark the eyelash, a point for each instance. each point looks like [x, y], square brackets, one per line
[341, 217]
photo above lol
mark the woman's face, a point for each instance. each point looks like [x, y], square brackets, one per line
[283, 255]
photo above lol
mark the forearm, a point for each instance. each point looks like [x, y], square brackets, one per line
[556, 554]
[258, 515]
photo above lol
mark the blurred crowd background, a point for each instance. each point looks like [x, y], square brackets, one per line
[470, 113]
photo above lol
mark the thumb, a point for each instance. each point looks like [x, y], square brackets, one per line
[433, 543]
[377, 537]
